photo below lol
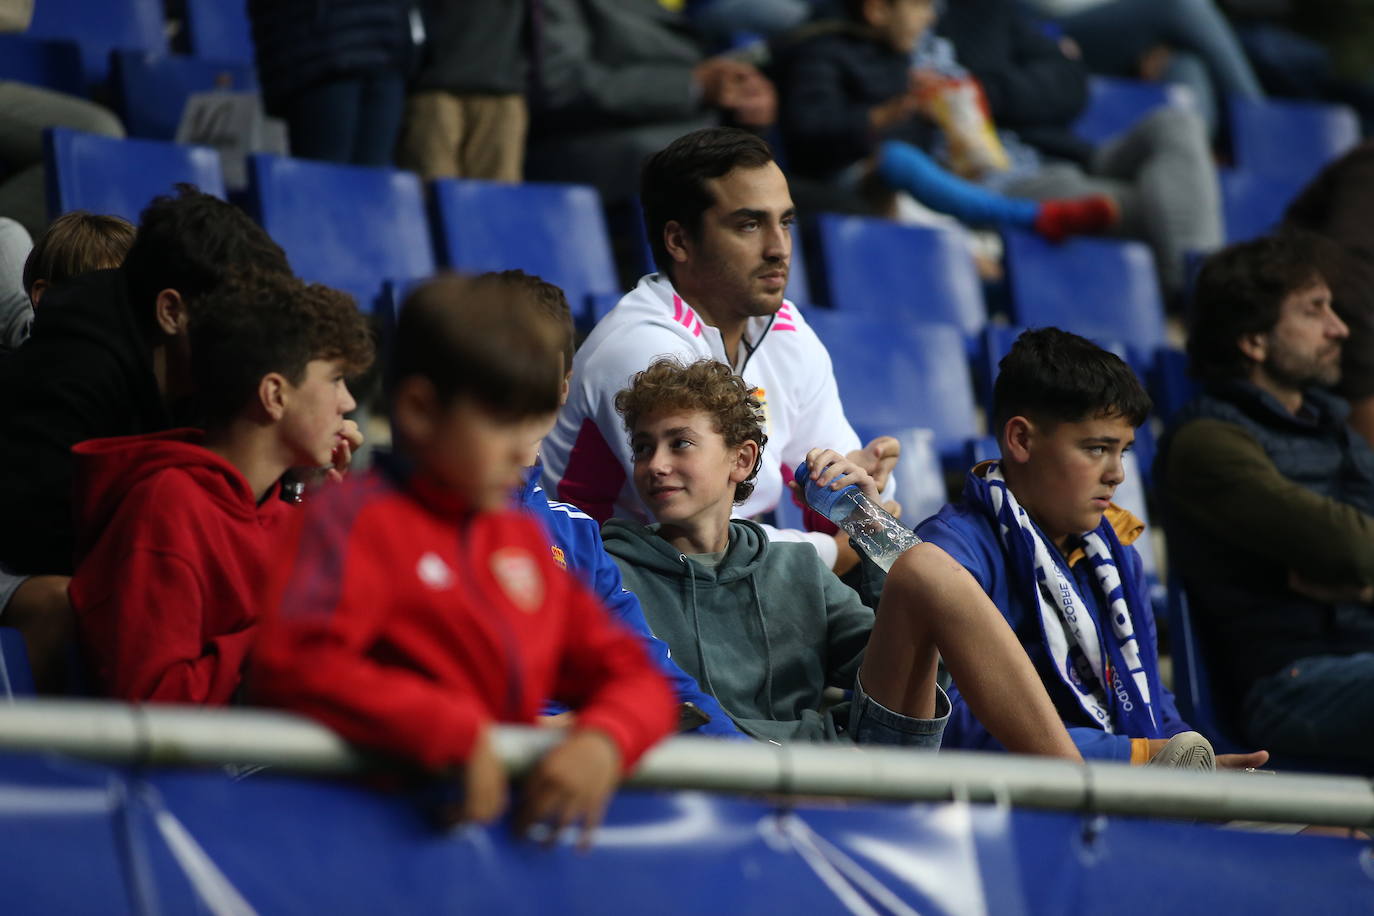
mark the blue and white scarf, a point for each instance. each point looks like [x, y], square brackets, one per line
[1084, 656]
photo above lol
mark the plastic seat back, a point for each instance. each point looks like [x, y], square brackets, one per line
[50, 63]
[153, 88]
[105, 175]
[1116, 105]
[910, 273]
[101, 27]
[352, 227]
[1253, 203]
[1288, 138]
[220, 30]
[894, 375]
[554, 231]
[1103, 289]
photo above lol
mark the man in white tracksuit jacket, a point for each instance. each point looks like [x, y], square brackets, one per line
[719, 216]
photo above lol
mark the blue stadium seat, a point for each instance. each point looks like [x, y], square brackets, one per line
[101, 27]
[152, 88]
[909, 273]
[1252, 203]
[1116, 104]
[1171, 385]
[1291, 139]
[895, 375]
[349, 226]
[1192, 684]
[16, 677]
[555, 231]
[980, 449]
[52, 64]
[105, 175]
[220, 30]
[1103, 289]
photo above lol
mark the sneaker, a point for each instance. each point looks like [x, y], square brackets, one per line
[1090, 215]
[1186, 751]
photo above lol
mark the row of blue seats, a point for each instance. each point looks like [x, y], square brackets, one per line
[915, 290]
[68, 44]
[75, 45]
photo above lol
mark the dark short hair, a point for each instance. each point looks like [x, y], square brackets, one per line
[672, 186]
[484, 341]
[191, 243]
[1052, 377]
[704, 385]
[75, 243]
[256, 323]
[1240, 291]
[549, 300]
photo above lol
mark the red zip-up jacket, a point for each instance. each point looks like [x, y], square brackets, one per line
[406, 622]
[174, 549]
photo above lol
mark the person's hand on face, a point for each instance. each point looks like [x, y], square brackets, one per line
[350, 440]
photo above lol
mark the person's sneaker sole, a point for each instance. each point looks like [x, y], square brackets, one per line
[1186, 751]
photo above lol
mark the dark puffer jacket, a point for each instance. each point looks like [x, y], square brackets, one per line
[301, 43]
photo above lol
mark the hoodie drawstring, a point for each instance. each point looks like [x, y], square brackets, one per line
[767, 649]
[696, 626]
[701, 652]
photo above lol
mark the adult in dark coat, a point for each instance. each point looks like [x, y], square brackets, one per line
[336, 71]
[106, 357]
[617, 80]
[1336, 205]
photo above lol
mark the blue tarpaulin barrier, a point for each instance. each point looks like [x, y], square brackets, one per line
[81, 837]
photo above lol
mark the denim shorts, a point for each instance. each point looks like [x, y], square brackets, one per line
[9, 584]
[872, 723]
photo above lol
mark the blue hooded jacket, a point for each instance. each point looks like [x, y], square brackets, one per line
[967, 533]
[575, 539]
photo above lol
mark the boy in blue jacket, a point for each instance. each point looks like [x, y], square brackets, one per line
[575, 537]
[1040, 534]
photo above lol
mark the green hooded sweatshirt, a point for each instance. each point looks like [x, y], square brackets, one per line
[765, 632]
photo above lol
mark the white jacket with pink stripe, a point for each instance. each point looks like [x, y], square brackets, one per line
[587, 456]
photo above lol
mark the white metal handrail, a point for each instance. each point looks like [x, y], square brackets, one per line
[160, 735]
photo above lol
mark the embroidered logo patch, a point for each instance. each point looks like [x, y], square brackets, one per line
[518, 576]
[762, 396]
[560, 558]
[434, 572]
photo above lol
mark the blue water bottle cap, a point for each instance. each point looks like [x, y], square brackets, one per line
[821, 499]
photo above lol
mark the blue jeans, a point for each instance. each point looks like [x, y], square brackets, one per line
[354, 120]
[907, 168]
[1322, 706]
[1114, 35]
[872, 723]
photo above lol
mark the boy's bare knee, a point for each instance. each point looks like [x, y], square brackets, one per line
[923, 567]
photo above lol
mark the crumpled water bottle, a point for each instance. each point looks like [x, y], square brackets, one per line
[870, 527]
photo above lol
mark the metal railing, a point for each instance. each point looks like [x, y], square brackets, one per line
[194, 736]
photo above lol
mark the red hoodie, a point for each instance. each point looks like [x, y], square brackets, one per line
[408, 622]
[172, 549]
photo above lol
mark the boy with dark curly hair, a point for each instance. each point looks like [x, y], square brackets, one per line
[765, 626]
[175, 529]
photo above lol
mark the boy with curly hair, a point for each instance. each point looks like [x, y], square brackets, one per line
[765, 626]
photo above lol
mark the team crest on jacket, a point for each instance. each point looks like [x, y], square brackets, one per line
[560, 559]
[518, 576]
[433, 571]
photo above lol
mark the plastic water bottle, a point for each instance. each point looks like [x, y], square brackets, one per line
[870, 527]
